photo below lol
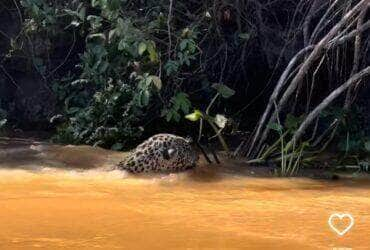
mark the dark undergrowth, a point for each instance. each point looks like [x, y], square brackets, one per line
[112, 72]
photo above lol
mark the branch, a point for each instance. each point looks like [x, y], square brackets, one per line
[317, 51]
[281, 83]
[356, 57]
[321, 24]
[169, 17]
[10, 78]
[326, 102]
[66, 58]
[341, 40]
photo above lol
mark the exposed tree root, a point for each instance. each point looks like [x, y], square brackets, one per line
[340, 31]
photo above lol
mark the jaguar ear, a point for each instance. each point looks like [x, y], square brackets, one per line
[189, 139]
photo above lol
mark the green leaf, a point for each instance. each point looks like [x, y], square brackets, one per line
[275, 126]
[157, 82]
[122, 45]
[176, 117]
[94, 3]
[195, 116]
[117, 146]
[292, 122]
[223, 90]
[114, 4]
[111, 34]
[244, 36]
[168, 116]
[97, 35]
[183, 44]
[367, 146]
[181, 101]
[171, 67]
[82, 13]
[142, 48]
[148, 81]
[153, 56]
[95, 21]
[103, 67]
[71, 12]
[172, 115]
[145, 97]
[73, 110]
[2, 122]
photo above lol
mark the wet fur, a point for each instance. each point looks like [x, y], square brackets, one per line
[161, 153]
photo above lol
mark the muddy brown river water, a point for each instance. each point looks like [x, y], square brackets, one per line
[70, 197]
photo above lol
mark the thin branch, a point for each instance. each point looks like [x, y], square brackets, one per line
[341, 40]
[313, 84]
[354, 79]
[318, 49]
[356, 57]
[316, 52]
[10, 78]
[169, 17]
[321, 24]
[281, 83]
[66, 58]
[307, 21]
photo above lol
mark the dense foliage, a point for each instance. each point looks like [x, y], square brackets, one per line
[131, 69]
[111, 72]
[120, 68]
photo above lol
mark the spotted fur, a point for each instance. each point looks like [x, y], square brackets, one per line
[161, 153]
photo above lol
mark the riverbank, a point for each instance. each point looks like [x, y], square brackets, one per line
[33, 153]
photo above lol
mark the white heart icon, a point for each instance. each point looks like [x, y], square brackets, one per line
[341, 216]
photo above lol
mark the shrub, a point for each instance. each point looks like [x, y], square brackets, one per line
[125, 75]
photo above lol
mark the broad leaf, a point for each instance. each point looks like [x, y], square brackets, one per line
[94, 3]
[122, 45]
[82, 13]
[157, 82]
[195, 116]
[181, 101]
[171, 67]
[153, 55]
[223, 90]
[183, 44]
[144, 97]
[275, 126]
[142, 48]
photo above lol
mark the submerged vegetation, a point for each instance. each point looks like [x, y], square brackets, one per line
[283, 77]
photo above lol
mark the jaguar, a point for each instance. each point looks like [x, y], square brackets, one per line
[161, 153]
